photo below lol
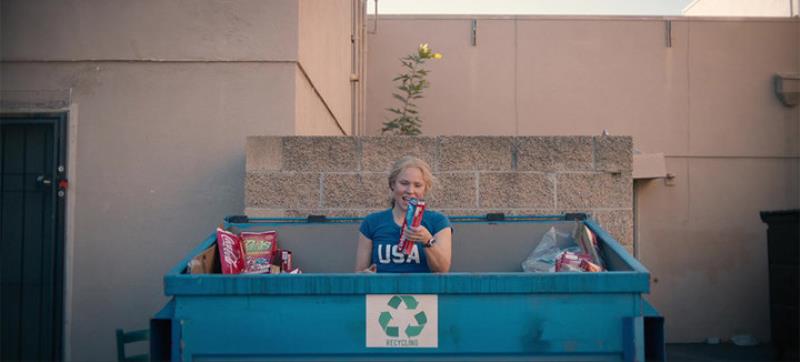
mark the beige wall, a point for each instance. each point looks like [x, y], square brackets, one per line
[314, 34]
[167, 92]
[156, 167]
[706, 102]
[324, 54]
[705, 245]
[580, 76]
[149, 29]
[741, 8]
[312, 117]
[471, 87]
[731, 100]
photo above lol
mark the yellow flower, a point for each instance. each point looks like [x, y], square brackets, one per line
[437, 55]
[424, 51]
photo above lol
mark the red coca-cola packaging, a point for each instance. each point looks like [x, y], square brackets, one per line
[413, 217]
[259, 249]
[230, 252]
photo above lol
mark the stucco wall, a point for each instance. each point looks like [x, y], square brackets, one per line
[555, 76]
[324, 54]
[346, 176]
[155, 166]
[312, 117]
[150, 29]
[706, 102]
[161, 95]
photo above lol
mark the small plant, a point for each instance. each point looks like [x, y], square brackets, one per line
[411, 84]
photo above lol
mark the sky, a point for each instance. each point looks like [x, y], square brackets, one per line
[530, 7]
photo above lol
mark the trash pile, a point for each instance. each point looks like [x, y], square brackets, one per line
[565, 252]
[243, 253]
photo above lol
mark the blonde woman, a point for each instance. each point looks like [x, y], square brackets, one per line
[409, 178]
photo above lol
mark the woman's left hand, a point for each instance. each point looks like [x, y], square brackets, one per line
[419, 234]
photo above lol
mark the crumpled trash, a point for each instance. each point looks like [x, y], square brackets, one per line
[712, 340]
[543, 257]
[744, 340]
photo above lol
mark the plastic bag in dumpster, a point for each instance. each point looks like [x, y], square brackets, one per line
[559, 251]
[543, 257]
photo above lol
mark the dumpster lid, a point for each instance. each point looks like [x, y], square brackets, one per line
[780, 215]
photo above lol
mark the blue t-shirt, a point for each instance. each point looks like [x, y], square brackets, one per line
[385, 233]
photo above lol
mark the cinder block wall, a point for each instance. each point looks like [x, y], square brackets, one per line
[347, 176]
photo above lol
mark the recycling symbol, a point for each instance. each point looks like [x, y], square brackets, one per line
[411, 330]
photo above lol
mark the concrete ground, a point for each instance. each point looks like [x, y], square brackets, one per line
[679, 352]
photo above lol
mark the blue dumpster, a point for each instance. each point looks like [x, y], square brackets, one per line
[486, 308]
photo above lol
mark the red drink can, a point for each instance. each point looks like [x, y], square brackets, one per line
[414, 214]
[286, 261]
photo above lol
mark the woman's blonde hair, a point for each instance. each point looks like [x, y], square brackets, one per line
[408, 162]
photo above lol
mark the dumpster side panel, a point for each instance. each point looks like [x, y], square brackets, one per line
[161, 333]
[334, 327]
[478, 316]
[451, 283]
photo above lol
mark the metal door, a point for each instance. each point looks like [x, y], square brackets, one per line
[32, 234]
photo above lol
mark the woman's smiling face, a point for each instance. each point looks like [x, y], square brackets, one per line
[409, 184]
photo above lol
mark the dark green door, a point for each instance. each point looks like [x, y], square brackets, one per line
[31, 228]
